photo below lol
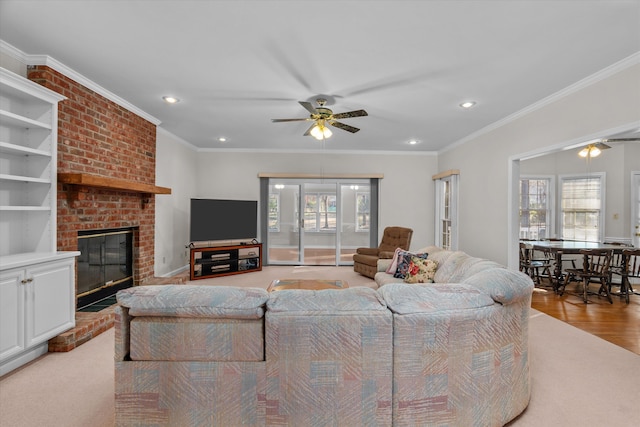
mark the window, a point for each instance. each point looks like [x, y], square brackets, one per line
[446, 210]
[536, 207]
[363, 212]
[274, 212]
[320, 212]
[582, 201]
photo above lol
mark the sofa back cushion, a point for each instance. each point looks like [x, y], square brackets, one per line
[194, 301]
[404, 298]
[355, 299]
[456, 266]
[503, 285]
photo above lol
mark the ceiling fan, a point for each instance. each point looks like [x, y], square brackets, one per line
[594, 149]
[322, 116]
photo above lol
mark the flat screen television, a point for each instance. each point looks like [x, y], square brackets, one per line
[214, 219]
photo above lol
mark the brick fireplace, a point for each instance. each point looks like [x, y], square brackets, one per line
[100, 138]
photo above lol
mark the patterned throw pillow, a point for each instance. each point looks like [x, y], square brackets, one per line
[404, 259]
[421, 270]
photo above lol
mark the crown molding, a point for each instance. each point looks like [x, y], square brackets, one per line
[316, 151]
[603, 74]
[9, 50]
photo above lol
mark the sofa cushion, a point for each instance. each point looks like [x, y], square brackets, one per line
[402, 298]
[196, 339]
[326, 301]
[194, 301]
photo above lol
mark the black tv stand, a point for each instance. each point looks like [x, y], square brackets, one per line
[215, 261]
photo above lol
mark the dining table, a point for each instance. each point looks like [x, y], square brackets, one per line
[568, 247]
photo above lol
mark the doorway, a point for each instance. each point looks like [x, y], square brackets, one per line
[317, 221]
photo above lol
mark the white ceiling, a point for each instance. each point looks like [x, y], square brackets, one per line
[235, 65]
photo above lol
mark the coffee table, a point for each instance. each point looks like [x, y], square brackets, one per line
[309, 284]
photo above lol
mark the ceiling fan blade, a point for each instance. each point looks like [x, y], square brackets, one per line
[343, 126]
[290, 120]
[308, 132]
[621, 140]
[357, 113]
[602, 146]
[310, 108]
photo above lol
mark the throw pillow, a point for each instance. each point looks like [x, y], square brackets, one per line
[404, 259]
[394, 262]
[421, 270]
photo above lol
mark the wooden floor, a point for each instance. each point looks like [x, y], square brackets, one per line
[618, 323]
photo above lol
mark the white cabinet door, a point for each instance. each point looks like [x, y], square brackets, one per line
[50, 308]
[12, 300]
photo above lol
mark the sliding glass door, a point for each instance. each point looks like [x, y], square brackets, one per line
[317, 222]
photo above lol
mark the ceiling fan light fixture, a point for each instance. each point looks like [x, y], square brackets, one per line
[590, 151]
[320, 132]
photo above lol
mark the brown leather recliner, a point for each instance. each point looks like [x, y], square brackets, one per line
[365, 260]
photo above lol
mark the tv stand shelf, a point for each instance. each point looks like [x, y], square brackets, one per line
[216, 261]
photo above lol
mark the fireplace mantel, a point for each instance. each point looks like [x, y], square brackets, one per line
[95, 181]
[89, 180]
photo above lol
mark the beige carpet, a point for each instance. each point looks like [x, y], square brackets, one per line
[577, 379]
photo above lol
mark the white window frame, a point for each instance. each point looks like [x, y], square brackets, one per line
[318, 213]
[368, 212]
[440, 182]
[597, 176]
[275, 229]
[551, 202]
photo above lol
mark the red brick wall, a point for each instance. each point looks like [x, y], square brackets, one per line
[99, 137]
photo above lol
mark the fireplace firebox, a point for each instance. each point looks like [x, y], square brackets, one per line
[105, 264]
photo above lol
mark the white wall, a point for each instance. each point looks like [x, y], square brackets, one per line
[484, 161]
[175, 162]
[406, 191]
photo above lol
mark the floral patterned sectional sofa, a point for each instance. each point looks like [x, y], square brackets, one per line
[453, 352]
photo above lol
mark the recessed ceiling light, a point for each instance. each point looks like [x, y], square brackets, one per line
[468, 104]
[413, 142]
[222, 139]
[170, 99]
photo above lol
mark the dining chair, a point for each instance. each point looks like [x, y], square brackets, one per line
[630, 269]
[531, 265]
[617, 265]
[595, 267]
[548, 259]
